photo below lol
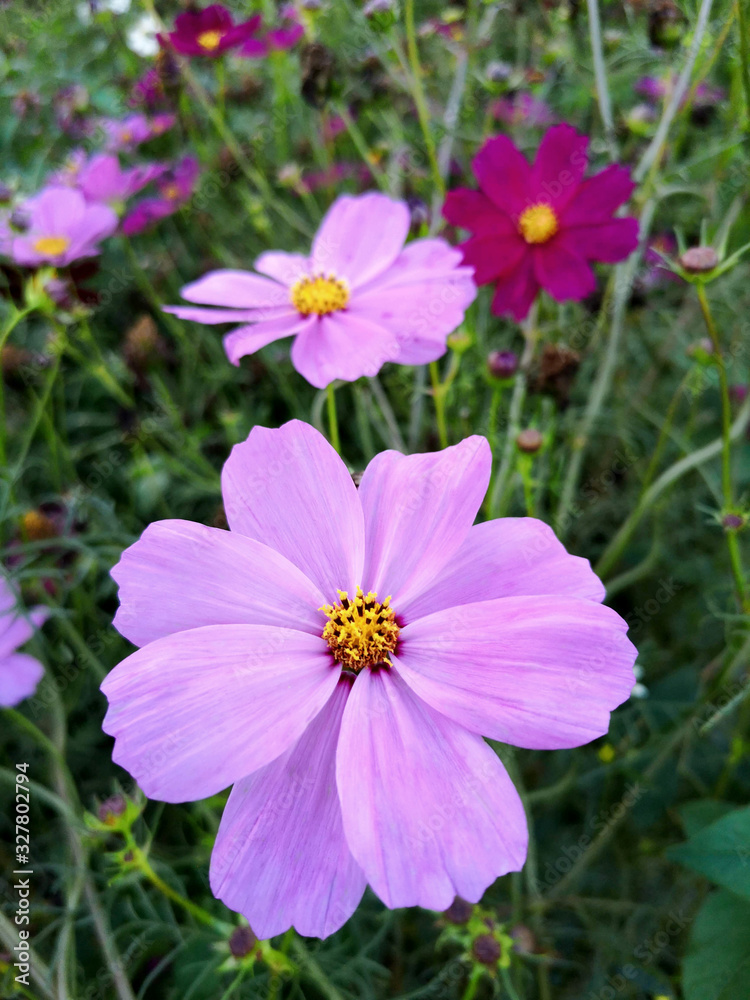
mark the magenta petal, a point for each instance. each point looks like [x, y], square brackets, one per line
[343, 345]
[536, 672]
[19, 677]
[559, 166]
[503, 174]
[289, 489]
[429, 810]
[249, 339]
[281, 858]
[360, 237]
[599, 197]
[474, 211]
[515, 291]
[509, 557]
[493, 256]
[182, 575]
[608, 242]
[563, 274]
[418, 510]
[196, 711]
[239, 289]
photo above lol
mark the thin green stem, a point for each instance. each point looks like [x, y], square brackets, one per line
[600, 75]
[438, 394]
[13, 320]
[744, 53]
[333, 420]
[735, 557]
[419, 96]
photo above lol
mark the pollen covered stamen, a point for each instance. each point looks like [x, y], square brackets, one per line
[538, 223]
[320, 294]
[362, 632]
[51, 246]
[210, 40]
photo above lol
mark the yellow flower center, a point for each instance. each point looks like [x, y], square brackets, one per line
[210, 40]
[319, 294]
[52, 246]
[361, 633]
[171, 192]
[538, 223]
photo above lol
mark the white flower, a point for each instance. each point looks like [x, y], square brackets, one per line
[141, 36]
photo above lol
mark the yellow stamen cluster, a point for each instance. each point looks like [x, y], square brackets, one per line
[319, 294]
[538, 223]
[210, 40]
[171, 192]
[361, 632]
[51, 246]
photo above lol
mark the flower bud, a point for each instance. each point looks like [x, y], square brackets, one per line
[699, 260]
[111, 808]
[733, 522]
[459, 912]
[486, 949]
[529, 441]
[502, 364]
[242, 941]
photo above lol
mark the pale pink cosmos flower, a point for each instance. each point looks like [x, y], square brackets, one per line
[102, 179]
[61, 227]
[338, 656]
[19, 672]
[360, 299]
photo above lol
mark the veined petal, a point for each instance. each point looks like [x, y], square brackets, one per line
[193, 712]
[418, 509]
[509, 557]
[343, 345]
[19, 676]
[287, 487]
[182, 575]
[249, 339]
[240, 289]
[516, 290]
[429, 810]
[503, 174]
[536, 672]
[281, 857]
[559, 166]
[598, 197]
[562, 273]
[608, 242]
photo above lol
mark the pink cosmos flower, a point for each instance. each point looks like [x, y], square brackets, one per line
[209, 32]
[337, 656]
[360, 299]
[102, 179]
[19, 672]
[175, 188]
[538, 226]
[62, 227]
[127, 133]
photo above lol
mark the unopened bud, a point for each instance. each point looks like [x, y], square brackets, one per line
[529, 441]
[699, 260]
[486, 949]
[110, 808]
[733, 522]
[242, 941]
[502, 364]
[459, 912]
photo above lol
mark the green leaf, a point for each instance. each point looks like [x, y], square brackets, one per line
[700, 813]
[720, 851]
[717, 965]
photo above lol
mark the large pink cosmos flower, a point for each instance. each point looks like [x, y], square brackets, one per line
[538, 226]
[336, 656]
[209, 32]
[360, 299]
[62, 227]
[19, 672]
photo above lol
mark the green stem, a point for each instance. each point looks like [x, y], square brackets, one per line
[474, 978]
[438, 394]
[13, 320]
[600, 75]
[744, 53]
[735, 557]
[333, 421]
[419, 97]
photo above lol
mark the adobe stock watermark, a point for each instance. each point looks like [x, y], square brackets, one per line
[23, 871]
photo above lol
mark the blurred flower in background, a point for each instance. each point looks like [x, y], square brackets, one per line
[209, 32]
[175, 187]
[19, 672]
[61, 226]
[142, 36]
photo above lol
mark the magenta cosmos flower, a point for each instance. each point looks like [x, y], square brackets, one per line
[360, 299]
[175, 188]
[538, 226]
[336, 656]
[19, 672]
[62, 227]
[209, 32]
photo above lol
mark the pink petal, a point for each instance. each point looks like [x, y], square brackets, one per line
[288, 488]
[493, 256]
[182, 575]
[343, 345]
[559, 166]
[515, 291]
[503, 174]
[19, 676]
[421, 261]
[608, 242]
[280, 857]
[418, 510]
[55, 209]
[240, 289]
[474, 211]
[537, 672]
[360, 237]
[286, 268]
[599, 197]
[429, 811]
[562, 273]
[509, 557]
[249, 339]
[211, 317]
[196, 711]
